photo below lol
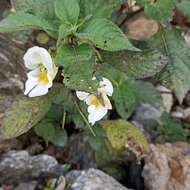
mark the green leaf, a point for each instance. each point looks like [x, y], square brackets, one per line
[183, 6]
[60, 138]
[105, 35]
[160, 10]
[46, 18]
[137, 64]
[145, 92]
[24, 21]
[25, 113]
[65, 30]
[128, 94]
[176, 75]
[124, 98]
[35, 7]
[123, 94]
[69, 53]
[99, 8]
[171, 130]
[79, 67]
[45, 130]
[97, 141]
[50, 133]
[55, 114]
[67, 10]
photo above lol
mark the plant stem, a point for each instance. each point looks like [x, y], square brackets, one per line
[84, 118]
[64, 118]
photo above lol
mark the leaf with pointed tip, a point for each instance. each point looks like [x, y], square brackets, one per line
[25, 113]
[99, 8]
[35, 7]
[105, 35]
[176, 74]
[67, 10]
[160, 10]
[137, 64]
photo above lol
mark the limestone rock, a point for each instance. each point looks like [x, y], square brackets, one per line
[167, 167]
[92, 179]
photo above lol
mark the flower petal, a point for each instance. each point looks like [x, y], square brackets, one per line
[32, 58]
[46, 59]
[106, 87]
[107, 102]
[91, 108]
[39, 90]
[34, 73]
[82, 95]
[37, 55]
[30, 84]
[97, 114]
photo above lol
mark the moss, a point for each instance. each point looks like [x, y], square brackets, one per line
[123, 135]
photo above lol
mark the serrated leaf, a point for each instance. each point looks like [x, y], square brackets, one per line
[183, 6]
[25, 113]
[137, 64]
[99, 8]
[47, 17]
[176, 74]
[67, 53]
[67, 10]
[160, 10]
[123, 94]
[21, 21]
[105, 35]
[129, 93]
[79, 66]
[24, 21]
[35, 7]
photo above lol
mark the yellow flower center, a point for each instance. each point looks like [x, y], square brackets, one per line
[42, 77]
[98, 101]
[95, 101]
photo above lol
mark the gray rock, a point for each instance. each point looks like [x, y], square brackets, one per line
[18, 166]
[92, 179]
[27, 186]
[146, 113]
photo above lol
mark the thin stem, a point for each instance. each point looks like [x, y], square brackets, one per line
[64, 118]
[84, 118]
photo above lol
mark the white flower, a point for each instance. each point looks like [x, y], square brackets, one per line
[98, 106]
[42, 71]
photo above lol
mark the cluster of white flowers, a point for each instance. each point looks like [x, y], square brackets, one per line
[40, 78]
[99, 105]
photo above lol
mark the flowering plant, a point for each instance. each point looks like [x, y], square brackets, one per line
[92, 66]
